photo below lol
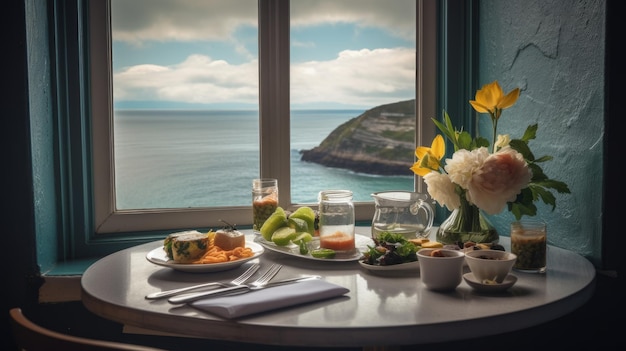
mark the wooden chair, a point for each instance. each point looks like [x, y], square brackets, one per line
[32, 337]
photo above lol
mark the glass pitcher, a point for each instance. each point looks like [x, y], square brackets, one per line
[402, 212]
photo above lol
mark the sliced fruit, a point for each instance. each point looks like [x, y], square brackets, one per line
[323, 253]
[276, 220]
[308, 215]
[298, 224]
[302, 237]
[283, 236]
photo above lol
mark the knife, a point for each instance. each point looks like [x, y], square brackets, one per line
[235, 289]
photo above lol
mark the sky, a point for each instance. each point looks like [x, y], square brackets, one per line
[352, 54]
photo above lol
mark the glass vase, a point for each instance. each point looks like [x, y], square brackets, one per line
[467, 223]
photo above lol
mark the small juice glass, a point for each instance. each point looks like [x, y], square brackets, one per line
[264, 201]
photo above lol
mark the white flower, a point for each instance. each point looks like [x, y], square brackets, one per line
[441, 188]
[464, 164]
[501, 177]
[502, 141]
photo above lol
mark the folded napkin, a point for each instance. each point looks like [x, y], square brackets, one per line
[271, 298]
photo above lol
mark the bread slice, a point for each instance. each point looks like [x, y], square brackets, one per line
[432, 245]
[419, 241]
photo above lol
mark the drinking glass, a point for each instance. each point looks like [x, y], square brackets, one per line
[264, 201]
[529, 243]
[336, 223]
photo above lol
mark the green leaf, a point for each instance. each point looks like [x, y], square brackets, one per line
[545, 196]
[465, 141]
[530, 132]
[519, 210]
[480, 142]
[538, 174]
[544, 159]
[522, 147]
[447, 132]
[448, 121]
[557, 185]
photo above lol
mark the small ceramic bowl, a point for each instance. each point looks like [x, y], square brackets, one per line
[441, 272]
[490, 265]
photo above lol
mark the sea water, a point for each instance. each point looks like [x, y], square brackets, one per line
[180, 159]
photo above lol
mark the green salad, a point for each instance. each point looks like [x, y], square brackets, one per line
[389, 249]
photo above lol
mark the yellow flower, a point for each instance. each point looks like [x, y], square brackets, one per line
[491, 99]
[429, 158]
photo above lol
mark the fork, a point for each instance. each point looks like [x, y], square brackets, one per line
[259, 283]
[235, 282]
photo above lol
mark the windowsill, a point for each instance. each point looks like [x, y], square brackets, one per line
[62, 283]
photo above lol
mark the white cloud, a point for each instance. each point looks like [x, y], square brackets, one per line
[199, 79]
[364, 77]
[360, 78]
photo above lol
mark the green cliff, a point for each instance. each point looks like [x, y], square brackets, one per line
[380, 141]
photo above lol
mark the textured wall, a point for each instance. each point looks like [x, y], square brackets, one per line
[554, 51]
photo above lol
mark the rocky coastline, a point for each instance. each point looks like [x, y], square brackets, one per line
[379, 142]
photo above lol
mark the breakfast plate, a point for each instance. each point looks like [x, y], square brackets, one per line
[402, 267]
[474, 283]
[158, 257]
[360, 242]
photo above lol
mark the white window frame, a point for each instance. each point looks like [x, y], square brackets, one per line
[274, 114]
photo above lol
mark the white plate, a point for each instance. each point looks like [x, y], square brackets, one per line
[409, 266]
[360, 243]
[474, 283]
[158, 256]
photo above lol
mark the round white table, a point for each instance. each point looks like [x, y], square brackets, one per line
[379, 310]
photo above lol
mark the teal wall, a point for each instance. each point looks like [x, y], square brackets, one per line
[42, 140]
[554, 51]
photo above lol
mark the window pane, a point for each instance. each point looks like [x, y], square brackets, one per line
[353, 68]
[185, 94]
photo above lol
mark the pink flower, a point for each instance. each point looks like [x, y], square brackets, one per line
[499, 180]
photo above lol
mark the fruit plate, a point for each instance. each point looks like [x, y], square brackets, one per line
[360, 242]
[402, 267]
[158, 257]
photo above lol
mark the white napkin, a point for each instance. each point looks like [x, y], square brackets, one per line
[270, 298]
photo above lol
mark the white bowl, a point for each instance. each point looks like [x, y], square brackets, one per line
[441, 273]
[490, 265]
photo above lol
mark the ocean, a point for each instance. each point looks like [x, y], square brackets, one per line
[180, 159]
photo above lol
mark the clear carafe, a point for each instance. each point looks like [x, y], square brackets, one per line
[402, 212]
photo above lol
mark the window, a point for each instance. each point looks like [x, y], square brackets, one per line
[275, 115]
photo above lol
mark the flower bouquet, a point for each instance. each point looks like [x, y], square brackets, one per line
[477, 179]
